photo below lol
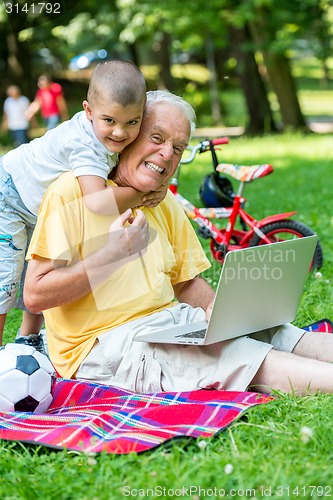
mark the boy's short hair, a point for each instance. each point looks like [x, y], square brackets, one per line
[118, 81]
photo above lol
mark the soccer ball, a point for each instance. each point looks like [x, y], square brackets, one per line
[26, 379]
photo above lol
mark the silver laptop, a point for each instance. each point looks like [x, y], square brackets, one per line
[259, 287]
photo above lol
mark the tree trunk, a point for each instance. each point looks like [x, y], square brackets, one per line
[134, 54]
[326, 75]
[18, 66]
[165, 78]
[260, 115]
[214, 93]
[283, 84]
[279, 72]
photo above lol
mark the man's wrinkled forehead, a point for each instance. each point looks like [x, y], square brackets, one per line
[162, 120]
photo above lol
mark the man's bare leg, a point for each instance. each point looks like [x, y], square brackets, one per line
[290, 372]
[316, 346]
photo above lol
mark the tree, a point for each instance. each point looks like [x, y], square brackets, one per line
[260, 114]
[278, 69]
[16, 53]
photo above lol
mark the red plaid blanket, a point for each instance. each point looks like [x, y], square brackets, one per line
[94, 418]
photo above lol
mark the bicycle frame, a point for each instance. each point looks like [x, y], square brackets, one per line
[229, 238]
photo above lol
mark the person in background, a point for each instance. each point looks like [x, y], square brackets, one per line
[14, 119]
[49, 101]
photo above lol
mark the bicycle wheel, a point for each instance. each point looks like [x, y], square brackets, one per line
[286, 230]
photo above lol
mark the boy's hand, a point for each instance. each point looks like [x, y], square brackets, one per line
[152, 199]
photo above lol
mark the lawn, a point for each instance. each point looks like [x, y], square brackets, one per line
[275, 448]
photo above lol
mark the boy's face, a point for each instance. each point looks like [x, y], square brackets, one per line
[115, 126]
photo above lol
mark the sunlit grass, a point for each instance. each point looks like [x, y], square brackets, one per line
[317, 103]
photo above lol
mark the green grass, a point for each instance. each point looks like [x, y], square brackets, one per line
[265, 448]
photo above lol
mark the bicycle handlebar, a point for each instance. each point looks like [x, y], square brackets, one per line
[202, 147]
[220, 140]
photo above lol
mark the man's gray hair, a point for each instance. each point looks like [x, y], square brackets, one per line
[164, 96]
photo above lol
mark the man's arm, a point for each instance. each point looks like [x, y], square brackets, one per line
[52, 284]
[197, 293]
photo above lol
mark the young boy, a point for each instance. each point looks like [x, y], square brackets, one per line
[89, 144]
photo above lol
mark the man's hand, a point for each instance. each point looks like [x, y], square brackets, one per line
[197, 293]
[209, 311]
[128, 235]
[50, 285]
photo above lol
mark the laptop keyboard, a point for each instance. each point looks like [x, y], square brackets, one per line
[197, 334]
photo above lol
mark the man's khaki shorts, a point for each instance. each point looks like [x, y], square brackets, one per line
[145, 368]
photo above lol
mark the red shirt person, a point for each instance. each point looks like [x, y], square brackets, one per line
[50, 101]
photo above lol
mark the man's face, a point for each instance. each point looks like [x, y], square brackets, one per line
[153, 158]
[114, 125]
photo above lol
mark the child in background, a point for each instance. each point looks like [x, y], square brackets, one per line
[14, 119]
[89, 145]
[50, 101]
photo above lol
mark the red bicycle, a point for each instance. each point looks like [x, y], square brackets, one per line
[221, 202]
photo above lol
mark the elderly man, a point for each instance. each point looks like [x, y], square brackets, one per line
[100, 280]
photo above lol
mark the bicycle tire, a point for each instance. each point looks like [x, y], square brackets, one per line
[294, 229]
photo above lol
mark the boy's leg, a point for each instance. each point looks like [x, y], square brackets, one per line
[29, 331]
[2, 325]
[31, 323]
[290, 372]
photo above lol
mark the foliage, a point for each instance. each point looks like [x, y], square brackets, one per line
[86, 25]
[163, 33]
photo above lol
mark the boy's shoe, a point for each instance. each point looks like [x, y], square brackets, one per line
[34, 340]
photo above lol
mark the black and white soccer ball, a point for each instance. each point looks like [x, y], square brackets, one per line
[26, 379]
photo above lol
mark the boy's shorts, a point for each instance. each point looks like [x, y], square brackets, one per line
[145, 368]
[16, 227]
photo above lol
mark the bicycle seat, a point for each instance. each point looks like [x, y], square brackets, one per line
[245, 173]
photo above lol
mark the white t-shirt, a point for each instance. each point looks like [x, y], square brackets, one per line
[15, 109]
[70, 146]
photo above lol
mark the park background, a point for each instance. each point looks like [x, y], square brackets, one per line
[260, 72]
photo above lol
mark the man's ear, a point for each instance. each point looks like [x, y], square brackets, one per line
[87, 109]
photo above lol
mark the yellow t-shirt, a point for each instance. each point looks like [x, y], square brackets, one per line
[67, 230]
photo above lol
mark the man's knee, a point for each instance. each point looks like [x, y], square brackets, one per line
[275, 373]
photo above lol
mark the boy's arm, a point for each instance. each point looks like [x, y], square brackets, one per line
[154, 198]
[107, 200]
